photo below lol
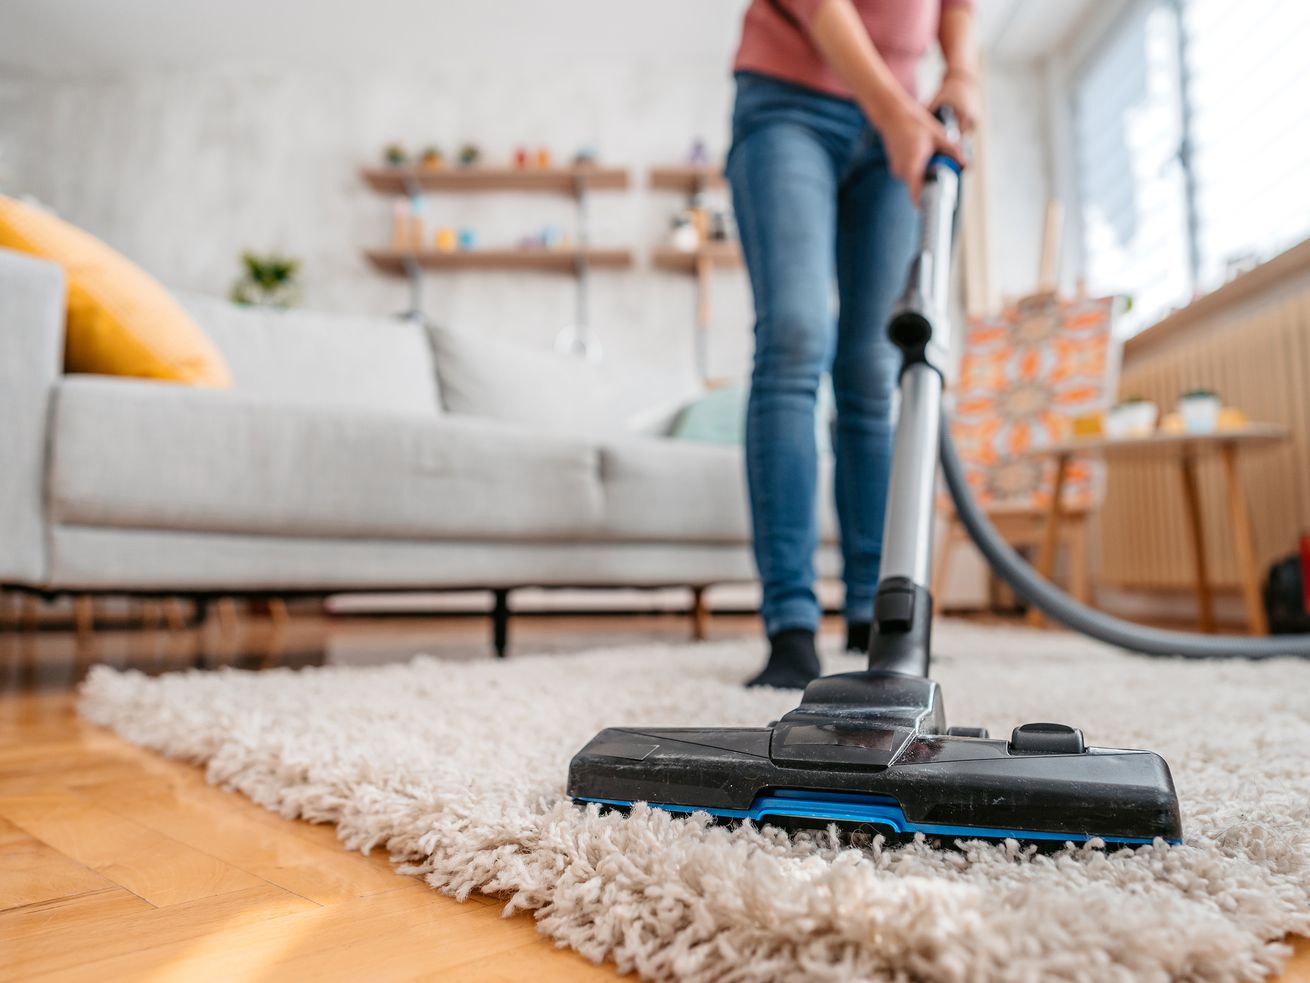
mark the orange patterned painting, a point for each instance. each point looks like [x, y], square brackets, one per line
[1026, 374]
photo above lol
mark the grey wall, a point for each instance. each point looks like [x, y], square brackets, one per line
[182, 169]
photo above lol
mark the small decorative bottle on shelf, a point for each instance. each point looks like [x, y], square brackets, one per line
[400, 224]
[446, 240]
[416, 208]
[407, 224]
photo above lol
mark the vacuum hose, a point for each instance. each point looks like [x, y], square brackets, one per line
[1055, 603]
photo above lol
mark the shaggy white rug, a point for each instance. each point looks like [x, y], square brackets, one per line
[458, 769]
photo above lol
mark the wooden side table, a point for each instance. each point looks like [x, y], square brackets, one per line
[1185, 449]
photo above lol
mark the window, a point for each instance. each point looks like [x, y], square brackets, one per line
[1191, 147]
[1249, 81]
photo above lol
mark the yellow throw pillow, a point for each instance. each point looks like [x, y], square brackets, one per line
[120, 320]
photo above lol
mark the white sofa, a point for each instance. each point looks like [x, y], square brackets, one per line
[335, 464]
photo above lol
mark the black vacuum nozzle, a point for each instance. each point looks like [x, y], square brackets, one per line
[871, 751]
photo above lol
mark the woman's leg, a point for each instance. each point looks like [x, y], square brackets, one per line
[784, 185]
[876, 229]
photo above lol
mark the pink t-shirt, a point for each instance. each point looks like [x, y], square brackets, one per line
[775, 39]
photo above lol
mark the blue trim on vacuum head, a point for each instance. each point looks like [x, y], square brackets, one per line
[880, 810]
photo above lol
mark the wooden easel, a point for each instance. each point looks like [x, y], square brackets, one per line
[1028, 527]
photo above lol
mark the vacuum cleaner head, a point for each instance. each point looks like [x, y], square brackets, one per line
[871, 751]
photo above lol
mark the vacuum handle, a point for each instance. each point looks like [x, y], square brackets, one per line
[950, 121]
[921, 312]
[951, 124]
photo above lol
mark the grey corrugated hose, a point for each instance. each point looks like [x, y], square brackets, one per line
[1058, 605]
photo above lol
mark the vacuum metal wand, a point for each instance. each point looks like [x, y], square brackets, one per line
[919, 327]
[907, 533]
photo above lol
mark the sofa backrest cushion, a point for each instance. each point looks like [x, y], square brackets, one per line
[542, 389]
[314, 359]
[719, 416]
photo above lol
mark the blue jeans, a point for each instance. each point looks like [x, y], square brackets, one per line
[815, 204]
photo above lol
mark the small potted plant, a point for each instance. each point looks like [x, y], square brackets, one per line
[1133, 416]
[267, 281]
[1200, 409]
[432, 158]
[469, 155]
[394, 155]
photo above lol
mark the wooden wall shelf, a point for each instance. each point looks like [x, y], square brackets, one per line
[724, 254]
[557, 180]
[395, 261]
[687, 178]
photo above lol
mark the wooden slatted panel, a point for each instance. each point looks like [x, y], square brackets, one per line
[1258, 360]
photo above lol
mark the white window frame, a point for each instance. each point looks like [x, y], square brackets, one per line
[1063, 70]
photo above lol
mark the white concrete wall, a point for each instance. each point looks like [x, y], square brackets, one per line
[183, 169]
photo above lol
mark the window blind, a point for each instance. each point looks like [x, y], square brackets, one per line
[1247, 80]
[1131, 184]
[1249, 84]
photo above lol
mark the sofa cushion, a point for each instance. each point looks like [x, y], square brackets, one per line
[313, 359]
[153, 456]
[542, 389]
[120, 320]
[686, 492]
[719, 416]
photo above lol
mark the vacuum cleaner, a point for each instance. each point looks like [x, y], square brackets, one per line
[872, 750]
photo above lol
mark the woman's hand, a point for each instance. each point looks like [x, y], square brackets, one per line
[909, 132]
[960, 92]
[912, 135]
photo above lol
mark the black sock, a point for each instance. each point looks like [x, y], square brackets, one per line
[793, 661]
[857, 636]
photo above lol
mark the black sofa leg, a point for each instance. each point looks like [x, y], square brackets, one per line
[500, 622]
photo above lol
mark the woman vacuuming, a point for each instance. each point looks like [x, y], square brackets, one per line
[829, 146]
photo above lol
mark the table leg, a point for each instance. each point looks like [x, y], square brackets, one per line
[1051, 537]
[1192, 500]
[1080, 569]
[1239, 514]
